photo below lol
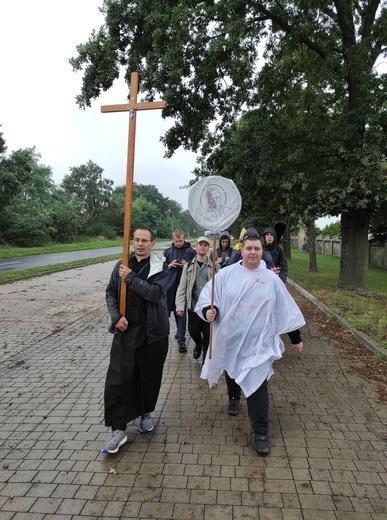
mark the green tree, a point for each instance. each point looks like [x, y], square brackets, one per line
[28, 224]
[115, 214]
[65, 215]
[144, 213]
[15, 171]
[26, 197]
[151, 194]
[149, 207]
[39, 186]
[333, 229]
[86, 187]
[203, 58]
[3, 147]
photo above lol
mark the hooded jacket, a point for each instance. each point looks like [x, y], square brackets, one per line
[226, 253]
[277, 254]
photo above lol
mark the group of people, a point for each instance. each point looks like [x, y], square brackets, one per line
[246, 303]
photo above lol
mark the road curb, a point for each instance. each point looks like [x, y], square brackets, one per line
[362, 338]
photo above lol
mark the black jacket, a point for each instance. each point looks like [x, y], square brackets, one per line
[224, 254]
[153, 290]
[187, 253]
[277, 254]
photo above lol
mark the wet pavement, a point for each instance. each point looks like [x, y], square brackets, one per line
[328, 430]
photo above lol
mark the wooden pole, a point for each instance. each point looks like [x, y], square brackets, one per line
[129, 186]
[132, 107]
[212, 290]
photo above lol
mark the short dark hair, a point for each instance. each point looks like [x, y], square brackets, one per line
[252, 237]
[146, 228]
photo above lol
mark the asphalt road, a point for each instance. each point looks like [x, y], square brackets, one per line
[26, 262]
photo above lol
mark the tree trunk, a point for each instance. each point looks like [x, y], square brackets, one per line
[311, 245]
[287, 244]
[354, 251]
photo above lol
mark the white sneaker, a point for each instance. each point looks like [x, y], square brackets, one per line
[146, 423]
[115, 441]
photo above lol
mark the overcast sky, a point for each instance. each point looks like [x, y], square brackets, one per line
[37, 101]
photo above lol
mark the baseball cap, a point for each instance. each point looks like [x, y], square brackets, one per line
[203, 239]
[250, 232]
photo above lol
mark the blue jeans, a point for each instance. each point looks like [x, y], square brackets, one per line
[181, 322]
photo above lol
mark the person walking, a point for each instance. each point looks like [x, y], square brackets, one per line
[224, 250]
[252, 308]
[237, 253]
[277, 253]
[196, 273]
[140, 342]
[176, 257]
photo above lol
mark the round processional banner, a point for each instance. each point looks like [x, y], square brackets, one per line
[214, 202]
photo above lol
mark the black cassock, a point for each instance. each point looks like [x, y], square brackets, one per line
[135, 371]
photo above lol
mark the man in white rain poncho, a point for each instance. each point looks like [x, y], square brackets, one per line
[252, 308]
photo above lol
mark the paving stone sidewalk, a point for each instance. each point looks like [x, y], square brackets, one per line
[328, 429]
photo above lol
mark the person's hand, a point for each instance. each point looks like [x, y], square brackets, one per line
[276, 270]
[219, 260]
[180, 313]
[211, 314]
[176, 263]
[298, 347]
[123, 271]
[122, 324]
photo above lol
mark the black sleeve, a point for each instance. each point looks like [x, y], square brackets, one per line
[295, 336]
[207, 309]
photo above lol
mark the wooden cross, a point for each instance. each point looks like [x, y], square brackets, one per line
[132, 108]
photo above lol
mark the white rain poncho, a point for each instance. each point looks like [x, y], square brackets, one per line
[254, 309]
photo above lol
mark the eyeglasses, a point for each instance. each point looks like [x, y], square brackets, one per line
[142, 240]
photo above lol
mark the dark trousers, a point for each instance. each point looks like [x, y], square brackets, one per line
[181, 322]
[199, 330]
[257, 405]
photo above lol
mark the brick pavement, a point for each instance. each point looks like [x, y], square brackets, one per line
[328, 430]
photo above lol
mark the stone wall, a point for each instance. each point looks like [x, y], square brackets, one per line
[327, 245]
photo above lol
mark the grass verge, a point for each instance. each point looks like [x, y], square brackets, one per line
[10, 276]
[14, 252]
[366, 311]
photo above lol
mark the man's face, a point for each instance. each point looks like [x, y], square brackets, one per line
[202, 248]
[251, 252]
[269, 238]
[142, 243]
[224, 243]
[178, 241]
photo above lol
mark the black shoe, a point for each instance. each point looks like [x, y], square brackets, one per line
[262, 445]
[197, 351]
[233, 406]
[182, 346]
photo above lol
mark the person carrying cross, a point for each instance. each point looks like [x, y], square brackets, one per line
[140, 342]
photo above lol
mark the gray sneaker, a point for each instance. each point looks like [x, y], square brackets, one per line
[115, 441]
[146, 423]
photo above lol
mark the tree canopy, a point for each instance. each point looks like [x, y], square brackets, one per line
[211, 60]
[34, 211]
